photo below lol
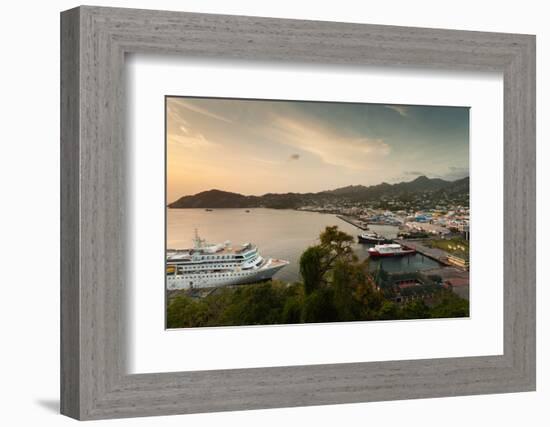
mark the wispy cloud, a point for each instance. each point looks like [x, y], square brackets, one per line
[295, 146]
[456, 172]
[401, 109]
[191, 141]
[351, 152]
[180, 132]
[188, 105]
[264, 160]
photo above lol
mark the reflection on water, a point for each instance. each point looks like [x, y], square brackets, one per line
[404, 264]
[278, 233]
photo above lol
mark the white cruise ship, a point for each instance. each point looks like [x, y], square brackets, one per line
[212, 265]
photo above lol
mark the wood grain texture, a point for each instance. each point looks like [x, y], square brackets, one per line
[70, 291]
[94, 231]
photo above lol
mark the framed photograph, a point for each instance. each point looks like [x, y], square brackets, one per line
[262, 213]
[336, 252]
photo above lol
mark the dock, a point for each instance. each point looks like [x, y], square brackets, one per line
[355, 222]
[436, 254]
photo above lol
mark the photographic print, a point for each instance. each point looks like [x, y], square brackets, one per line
[289, 212]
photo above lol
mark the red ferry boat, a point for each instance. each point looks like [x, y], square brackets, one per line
[392, 249]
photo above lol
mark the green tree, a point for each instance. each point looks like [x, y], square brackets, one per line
[369, 299]
[337, 247]
[388, 311]
[335, 287]
[183, 312]
[416, 309]
[292, 310]
[319, 306]
[381, 276]
[317, 261]
[347, 278]
[451, 305]
[255, 305]
[312, 268]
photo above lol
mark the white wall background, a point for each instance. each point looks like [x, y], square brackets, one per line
[29, 212]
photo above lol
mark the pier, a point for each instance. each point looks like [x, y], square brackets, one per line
[436, 254]
[355, 222]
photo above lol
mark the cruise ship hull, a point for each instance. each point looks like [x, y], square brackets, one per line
[225, 278]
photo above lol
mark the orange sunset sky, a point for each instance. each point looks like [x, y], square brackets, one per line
[257, 147]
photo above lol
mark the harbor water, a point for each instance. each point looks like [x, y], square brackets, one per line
[278, 233]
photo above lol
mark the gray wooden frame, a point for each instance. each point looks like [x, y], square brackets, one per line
[94, 41]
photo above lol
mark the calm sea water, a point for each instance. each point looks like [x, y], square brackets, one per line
[278, 233]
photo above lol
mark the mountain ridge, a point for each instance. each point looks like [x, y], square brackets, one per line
[216, 198]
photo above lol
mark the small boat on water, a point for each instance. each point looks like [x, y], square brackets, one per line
[392, 249]
[208, 210]
[371, 237]
[247, 211]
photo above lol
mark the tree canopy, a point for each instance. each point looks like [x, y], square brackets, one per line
[335, 286]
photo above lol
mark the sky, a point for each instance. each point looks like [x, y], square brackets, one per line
[254, 147]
